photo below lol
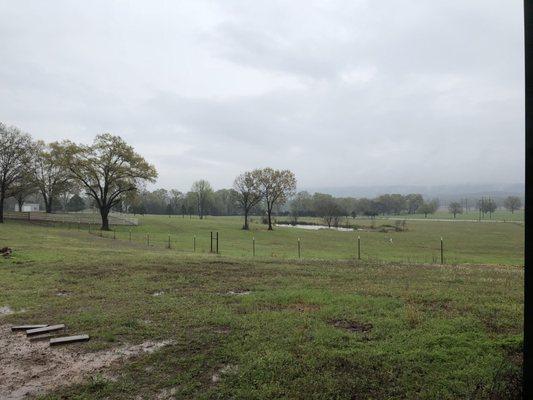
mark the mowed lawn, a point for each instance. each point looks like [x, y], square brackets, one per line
[298, 329]
[464, 242]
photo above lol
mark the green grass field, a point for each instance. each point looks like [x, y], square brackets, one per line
[323, 327]
[464, 242]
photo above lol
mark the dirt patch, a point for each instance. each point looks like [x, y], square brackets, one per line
[32, 368]
[223, 330]
[351, 326]
[225, 370]
[239, 292]
[6, 310]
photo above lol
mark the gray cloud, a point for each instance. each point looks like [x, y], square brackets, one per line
[343, 93]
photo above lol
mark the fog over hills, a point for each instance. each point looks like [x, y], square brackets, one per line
[443, 192]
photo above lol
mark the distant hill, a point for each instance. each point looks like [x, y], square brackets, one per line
[443, 192]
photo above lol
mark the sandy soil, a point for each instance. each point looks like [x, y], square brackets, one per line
[31, 368]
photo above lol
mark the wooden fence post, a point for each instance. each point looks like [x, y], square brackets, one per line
[211, 244]
[253, 246]
[169, 238]
[358, 247]
[194, 244]
[299, 252]
[441, 251]
[217, 242]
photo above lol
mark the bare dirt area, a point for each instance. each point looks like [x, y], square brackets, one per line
[32, 368]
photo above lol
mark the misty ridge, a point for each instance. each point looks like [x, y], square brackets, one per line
[443, 192]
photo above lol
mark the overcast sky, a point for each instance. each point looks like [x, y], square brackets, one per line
[344, 93]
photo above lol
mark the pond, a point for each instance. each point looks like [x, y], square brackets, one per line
[316, 227]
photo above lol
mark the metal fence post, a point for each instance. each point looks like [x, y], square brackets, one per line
[358, 247]
[211, 249]
[217, 242]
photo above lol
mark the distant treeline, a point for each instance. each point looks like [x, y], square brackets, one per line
[303, 204]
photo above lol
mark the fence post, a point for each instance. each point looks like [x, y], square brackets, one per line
[114, 234]
[148, 239]
[169, 238]
[217, 242]
[89, 227]
[358, 247]
[78, 225]
[194, 244]
[441, 251]
[253, 246]
[211, 249]
[130, 235]
[299, 253]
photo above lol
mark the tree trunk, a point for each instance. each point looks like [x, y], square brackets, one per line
[269, 212]
[104, 213]
[20, 202]
[48, 206]
[245, 226]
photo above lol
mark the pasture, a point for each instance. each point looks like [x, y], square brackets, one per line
[464, 242]
[325, 326]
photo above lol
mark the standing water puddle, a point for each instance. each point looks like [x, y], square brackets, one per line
[316, 227]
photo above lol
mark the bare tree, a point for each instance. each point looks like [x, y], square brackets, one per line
[327, 207]
[428, 207]
[50, 174]
[108, 170]
[455, 208]
[275, 187]
[21, 190]
[249, 195]
[512, 203]
[15, 157]
[203, 191]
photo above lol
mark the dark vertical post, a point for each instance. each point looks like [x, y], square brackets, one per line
[441, 251]
[148, 239]
[358, 247]
[253, 246]
[169, 238]
[194, 244]
[114, 234]
[89, 227]
[78, 225]
[130, 235]
[217, 242]
[299, 250]
[211, 248]
[528, 274]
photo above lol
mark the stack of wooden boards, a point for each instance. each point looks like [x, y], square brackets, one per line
[49, 332]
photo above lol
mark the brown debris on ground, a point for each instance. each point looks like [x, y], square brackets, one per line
[6, 251]
[32, 368]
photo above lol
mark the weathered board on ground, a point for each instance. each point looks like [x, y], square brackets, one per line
[68, 339]
[43, 336]
[45, 329]
[26, 327]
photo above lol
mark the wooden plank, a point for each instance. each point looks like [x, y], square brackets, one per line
[26, 327]
[45, 329]
[68, 339]
[43, 336]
